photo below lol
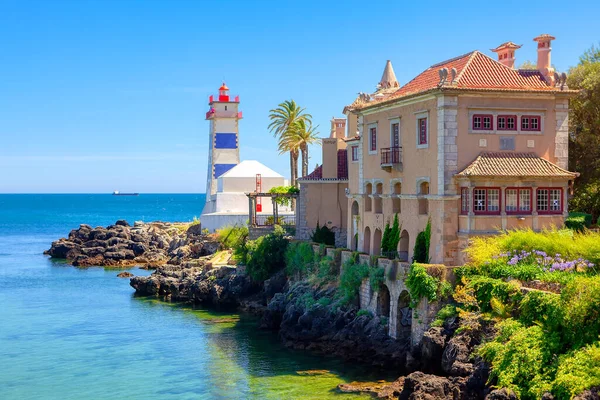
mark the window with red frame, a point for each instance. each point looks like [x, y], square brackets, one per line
[549, 201]
[354, 153]
[422, 124]
[507, 122]
[517, 200]
[531, 123]
[486, 201]
[464, 200]
[483, 122]
[373, 133]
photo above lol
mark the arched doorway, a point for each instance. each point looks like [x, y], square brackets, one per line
[403, 246]
[404, 316]
[367, 240]
[354, 212]
[376, 242]
[383, 302]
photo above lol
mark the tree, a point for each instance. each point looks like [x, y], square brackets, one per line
[584, 126]
[304, 135]
[284, 120]
[527, 65]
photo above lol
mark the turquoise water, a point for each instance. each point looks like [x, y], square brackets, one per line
[68, 333]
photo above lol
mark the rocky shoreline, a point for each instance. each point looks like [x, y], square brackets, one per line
[149, 245]
[305, 316]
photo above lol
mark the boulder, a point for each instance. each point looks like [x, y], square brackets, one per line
[419, 385]
[122, 222]
[501, 394]
[124, 274]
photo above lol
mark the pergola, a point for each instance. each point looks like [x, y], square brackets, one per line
[252, 203]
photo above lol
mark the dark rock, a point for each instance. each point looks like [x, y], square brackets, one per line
[194, 230]
[122, 222]
[432, 348]
[124, 274]
[501, 394]
[590, 394]
[61, 248]
[419, 385]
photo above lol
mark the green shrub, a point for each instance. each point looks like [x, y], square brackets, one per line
[324, 235]
[422, 242]
[540, 307]
[324, 301]
[391, 236]
[521, 359]
[421, 284]
[581, 307]
[485, 288]
[232, 237]
[266, 254]
[351, 278]
[448, 311]
[578, 221]
[326, 269]
[577, 371]
[376, 277]
[299, 259]
[360, 313]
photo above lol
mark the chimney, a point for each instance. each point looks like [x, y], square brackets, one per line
[506, 53]
[338, 128]
[544, 62]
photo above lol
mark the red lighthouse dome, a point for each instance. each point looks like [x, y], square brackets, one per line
[223, 92]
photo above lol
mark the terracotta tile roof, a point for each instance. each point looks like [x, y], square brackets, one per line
[474, 71]
[511, 164]
[315, 175]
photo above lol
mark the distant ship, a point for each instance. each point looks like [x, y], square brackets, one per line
[117, 193]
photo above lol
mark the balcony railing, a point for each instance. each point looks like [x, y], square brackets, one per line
[391, 156]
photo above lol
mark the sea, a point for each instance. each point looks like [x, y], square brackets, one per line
[73, 333]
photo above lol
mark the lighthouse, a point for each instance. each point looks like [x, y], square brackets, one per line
[223, 147]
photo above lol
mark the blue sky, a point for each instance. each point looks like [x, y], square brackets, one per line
[103, 95]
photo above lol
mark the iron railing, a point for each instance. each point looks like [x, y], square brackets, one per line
[395, 255]
[269, 220]
[391, 155]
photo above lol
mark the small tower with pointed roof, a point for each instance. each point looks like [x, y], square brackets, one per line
[506, 53]
[388, 79]
[223, 145]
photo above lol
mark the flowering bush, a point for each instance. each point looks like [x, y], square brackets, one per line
[544, 261]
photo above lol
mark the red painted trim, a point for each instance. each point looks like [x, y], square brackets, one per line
[373, 144]
[550, 212]
[423, 140]
[464, 190]
[486, 212]
[482, 116]
[506, 117]
[530, 118]
[519, 190]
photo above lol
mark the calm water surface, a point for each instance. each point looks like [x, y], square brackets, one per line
[68, 333]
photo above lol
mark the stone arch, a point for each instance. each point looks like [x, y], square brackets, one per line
[403, 246]
[378, 200]
[368, 193]
[383, 302]
[396, 204]
[355, 215]
[367, 240]
[403, 316]
[376, 242]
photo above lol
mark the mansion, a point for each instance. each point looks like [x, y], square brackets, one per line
[471, 144]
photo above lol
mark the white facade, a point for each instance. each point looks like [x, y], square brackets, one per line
[229, 205]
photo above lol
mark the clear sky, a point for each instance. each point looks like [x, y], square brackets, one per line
[109, 95]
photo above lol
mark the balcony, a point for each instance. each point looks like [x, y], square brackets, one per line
[224, 114]
[391, 158]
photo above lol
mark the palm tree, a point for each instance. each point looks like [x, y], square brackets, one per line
[304, 134]
[283, 121]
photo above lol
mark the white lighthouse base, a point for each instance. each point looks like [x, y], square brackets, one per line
[214, 221]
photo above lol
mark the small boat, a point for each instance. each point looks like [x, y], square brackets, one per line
[117, 193]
